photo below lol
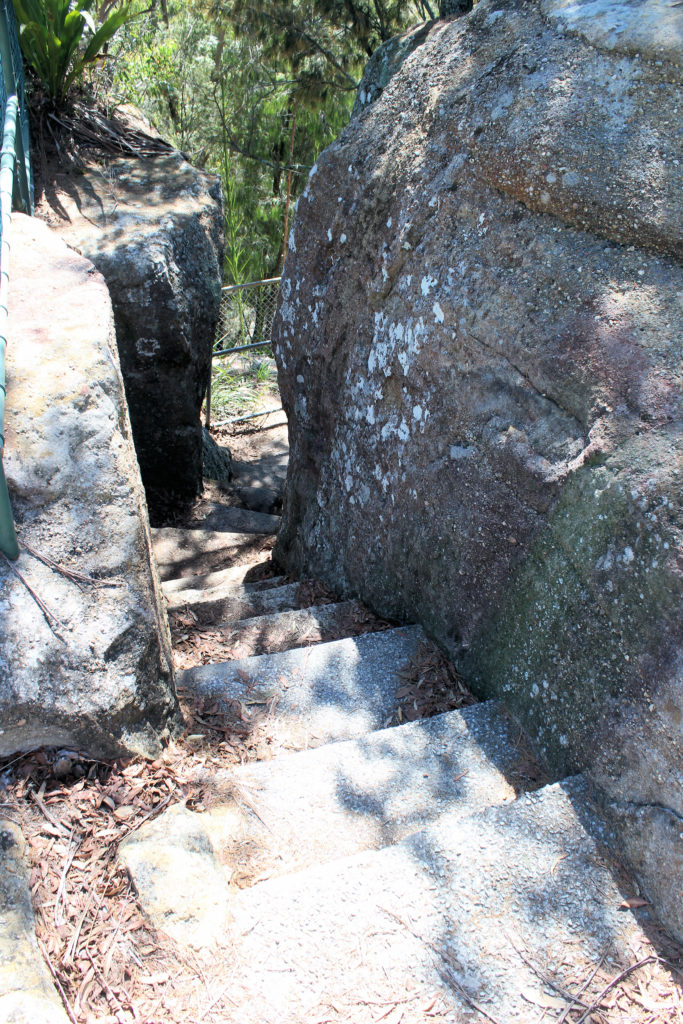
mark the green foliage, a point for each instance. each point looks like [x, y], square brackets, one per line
[253, 90]
[241, 385]
[53, 37]
[227, 100]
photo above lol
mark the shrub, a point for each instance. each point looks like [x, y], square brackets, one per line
[53, 36]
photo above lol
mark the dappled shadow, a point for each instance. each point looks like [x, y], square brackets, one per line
[511, 913]
[332, 691]
[509, 909]
[318, 619]
[187, 553]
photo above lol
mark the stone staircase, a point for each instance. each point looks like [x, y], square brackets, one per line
[369, 871]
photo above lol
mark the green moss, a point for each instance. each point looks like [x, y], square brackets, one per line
[589, 609]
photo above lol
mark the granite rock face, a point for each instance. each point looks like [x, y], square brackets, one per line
[154, 230]
[479, 346]
[92, 671]
[385, 62]
[217, 461]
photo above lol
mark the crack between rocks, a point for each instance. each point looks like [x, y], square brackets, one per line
[525, 376]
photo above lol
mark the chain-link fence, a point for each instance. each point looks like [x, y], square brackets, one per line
[246, 316]
[245, 322]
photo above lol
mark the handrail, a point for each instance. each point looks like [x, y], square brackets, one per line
[8, 537]
[227, 288]
[15, 185]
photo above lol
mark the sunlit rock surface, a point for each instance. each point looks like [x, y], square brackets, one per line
[89, 667]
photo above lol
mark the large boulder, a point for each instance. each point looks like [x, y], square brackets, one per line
[154, 229]
[85, 658]
[479, 352]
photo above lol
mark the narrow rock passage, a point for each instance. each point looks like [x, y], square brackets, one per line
[341, 834]
[360, 866]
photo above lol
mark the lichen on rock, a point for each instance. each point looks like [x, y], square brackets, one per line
[89, 669]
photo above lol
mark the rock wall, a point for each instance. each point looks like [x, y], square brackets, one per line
[479, 353]
[89, 668]
[154, 229]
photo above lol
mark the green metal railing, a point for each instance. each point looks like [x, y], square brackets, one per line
[16, 189]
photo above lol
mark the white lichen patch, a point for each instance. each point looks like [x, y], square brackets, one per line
[147, 347]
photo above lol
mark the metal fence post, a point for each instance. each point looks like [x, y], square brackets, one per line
[15, 174]
[8, 537]
[13, 80]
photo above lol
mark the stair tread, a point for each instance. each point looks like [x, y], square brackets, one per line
[331, 691]
[301, 809]
[270, 471]
[282, 631]
[461, 910]
[229, 518]
[181, 552]
[235, 579]
[449, 907]
[225, 603]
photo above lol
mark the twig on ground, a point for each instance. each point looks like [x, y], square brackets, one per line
[154, 811]
[104, 983]
[223, 994]
[78, 578]
[575, 1000]
[546, 979]
[70, 854]
[73, 942]
[57, 982]
[38, 801]
[615, 981]
[448, 960]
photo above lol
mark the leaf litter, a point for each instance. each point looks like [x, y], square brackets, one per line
[110, 964]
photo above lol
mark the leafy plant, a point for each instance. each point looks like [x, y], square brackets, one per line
[53, 35]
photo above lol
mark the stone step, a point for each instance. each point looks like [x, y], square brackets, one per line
[469, 914]
[259, 498]
[455, 908]
[240, 579]
[188, 552]
[303, 809]
[268, 471]
[313, 695]
[229, 518]
[225, 604]
[282, 631]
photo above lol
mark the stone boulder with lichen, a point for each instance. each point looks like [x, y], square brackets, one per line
[479, 352]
